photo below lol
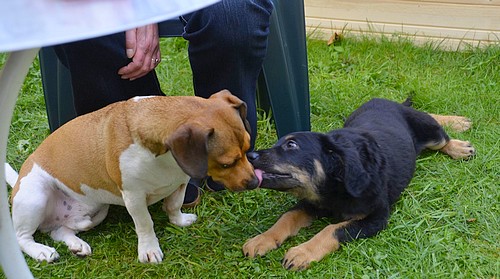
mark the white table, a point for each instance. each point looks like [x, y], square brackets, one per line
[25, 26]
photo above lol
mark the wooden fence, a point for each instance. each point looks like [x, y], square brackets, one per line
[451, 23]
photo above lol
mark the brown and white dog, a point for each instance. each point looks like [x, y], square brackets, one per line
[132, 153]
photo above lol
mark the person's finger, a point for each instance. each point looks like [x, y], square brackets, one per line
[130, 42]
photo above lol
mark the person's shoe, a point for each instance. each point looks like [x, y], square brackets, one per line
[192, 197]
[214, 186]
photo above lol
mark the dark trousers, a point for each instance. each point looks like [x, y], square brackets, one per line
[227, 45]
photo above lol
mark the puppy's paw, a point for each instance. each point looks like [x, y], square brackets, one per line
[460, 124]
[299, 258]
[150, 253]
[458, 149]
[183, 220]
[259, 245]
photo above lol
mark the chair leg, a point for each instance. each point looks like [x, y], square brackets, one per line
[58, 92]
[285, 68]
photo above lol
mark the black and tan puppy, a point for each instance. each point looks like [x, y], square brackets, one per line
[352, 175]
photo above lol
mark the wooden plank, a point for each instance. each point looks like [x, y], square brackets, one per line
[452, 20]
[463, 2]
[406, 12]
[430, 31]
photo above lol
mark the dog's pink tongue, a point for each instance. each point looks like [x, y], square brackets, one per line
[258, 173]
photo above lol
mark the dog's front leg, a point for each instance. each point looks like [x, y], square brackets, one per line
[149, 248]
[322, 244]
[287, 225]
[172, 206]
[328, 240]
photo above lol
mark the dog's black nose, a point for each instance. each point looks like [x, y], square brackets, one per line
[254, 183]
[252, 156]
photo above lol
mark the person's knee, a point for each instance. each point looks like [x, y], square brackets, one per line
[231, 24]
[247, 21]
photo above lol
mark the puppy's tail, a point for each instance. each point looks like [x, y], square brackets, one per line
[409, 101]
[10, 175]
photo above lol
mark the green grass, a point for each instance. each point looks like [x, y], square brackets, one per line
[444, 226]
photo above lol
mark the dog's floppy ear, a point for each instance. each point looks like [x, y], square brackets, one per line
[189, 146]
[237, 104]
[359, 163]
[356, 177]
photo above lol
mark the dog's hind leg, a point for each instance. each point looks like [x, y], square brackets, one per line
[75, 223]
[456, 149]
[456, 123]
[429, 133]
[29, 208]
[76, 245]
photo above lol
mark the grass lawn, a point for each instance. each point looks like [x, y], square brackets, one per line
[446, 224]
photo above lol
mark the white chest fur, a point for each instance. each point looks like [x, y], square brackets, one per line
[155, 176]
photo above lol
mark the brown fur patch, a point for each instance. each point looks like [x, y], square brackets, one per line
[87, 151]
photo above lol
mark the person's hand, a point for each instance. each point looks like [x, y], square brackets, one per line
[143, 47]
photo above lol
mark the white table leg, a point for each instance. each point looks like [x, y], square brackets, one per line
[11, 79]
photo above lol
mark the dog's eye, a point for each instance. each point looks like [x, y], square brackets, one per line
[226, 166]
[291, 144]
